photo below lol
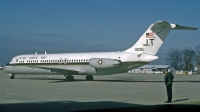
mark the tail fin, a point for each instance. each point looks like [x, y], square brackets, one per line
[153, 38]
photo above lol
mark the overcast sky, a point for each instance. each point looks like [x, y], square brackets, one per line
[65, 26]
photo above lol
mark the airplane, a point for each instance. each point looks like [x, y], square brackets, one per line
[95, 63]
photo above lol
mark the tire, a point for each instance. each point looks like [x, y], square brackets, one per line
[89, 78]
[12, 77]
[71, 78]
[67, 78]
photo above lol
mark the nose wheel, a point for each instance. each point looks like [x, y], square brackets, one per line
[12, 76]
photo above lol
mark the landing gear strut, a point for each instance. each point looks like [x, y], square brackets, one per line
[89, 78]
[69, 78]
[12, 76]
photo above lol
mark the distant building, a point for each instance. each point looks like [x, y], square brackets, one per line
[153, 69]
[179, 71]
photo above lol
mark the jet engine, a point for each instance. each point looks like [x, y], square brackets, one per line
[104, 62]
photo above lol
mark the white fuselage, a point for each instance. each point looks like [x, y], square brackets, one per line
[29, 64]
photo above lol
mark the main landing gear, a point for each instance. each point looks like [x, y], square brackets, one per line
[12, 76]
[69, 78]
[89, 78]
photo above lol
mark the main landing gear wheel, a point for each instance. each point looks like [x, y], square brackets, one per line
[69, 78]
[12, 76]
[89, 78]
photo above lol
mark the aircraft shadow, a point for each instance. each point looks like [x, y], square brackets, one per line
[99, 106]
[61, 106]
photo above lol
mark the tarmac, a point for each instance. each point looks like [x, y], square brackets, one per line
[40, 92]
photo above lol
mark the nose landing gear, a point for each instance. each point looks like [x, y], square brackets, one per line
[12, 76]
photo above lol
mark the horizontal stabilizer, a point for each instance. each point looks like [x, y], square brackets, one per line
[179, 27]
[160, 25]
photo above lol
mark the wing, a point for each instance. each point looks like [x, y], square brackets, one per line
[60, 70]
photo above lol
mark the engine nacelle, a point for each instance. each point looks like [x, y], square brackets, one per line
[104, 62]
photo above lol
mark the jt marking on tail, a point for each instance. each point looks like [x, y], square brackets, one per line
[147, 43]
[149, 35]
